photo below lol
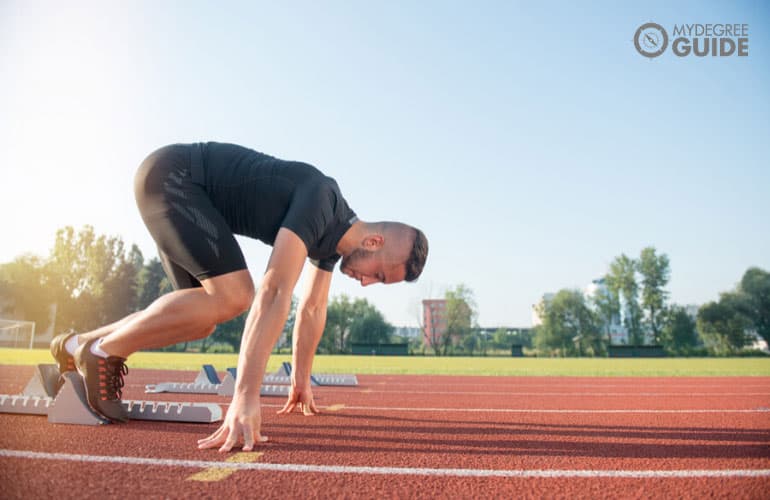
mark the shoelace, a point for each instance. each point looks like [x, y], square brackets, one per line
[116, 370]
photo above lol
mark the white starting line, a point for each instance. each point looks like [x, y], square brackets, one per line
[392, 471]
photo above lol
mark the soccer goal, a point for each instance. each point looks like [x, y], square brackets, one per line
[15, 333]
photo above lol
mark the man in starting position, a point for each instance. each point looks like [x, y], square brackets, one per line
[193, 199]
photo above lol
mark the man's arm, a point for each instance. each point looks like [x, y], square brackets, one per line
[263, 326]
[308, 329]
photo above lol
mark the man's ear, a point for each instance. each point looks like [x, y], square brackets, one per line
[373, 242]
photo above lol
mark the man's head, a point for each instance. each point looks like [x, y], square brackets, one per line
[386, 252]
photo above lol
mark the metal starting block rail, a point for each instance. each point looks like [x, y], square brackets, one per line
[69, 405]
[208, 382]
[284, 373]
[274, 384]
[19, 403]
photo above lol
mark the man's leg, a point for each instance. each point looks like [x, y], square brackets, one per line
[192, 235]
[175, 317]
[107, 329]
[182, 315]
[63, 346]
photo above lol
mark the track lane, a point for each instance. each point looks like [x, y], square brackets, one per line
[360, 435]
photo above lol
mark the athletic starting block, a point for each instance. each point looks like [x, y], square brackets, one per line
[44, 382]
[274, 384]
[208, 382]
[284, 373]
[69, 406]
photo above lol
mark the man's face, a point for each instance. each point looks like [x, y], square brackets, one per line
[373, 267]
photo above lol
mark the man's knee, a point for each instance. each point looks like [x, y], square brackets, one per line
[233, 294]
[237, 304]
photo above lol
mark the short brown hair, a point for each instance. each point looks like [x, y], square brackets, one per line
[417, 256]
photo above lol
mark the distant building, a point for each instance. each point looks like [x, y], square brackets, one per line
[434, 321]
[615, 327]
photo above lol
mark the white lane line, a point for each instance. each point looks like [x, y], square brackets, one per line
[406, 471]
[539, 410]
[574, 394]
[529, 385]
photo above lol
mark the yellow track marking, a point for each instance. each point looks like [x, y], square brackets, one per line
[219, 473]
[367, 391]
[337, 407]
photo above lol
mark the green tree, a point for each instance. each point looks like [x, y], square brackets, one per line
[352, 321]
[93, 278]
[339, 316]
[24, 285]
[622, 280]
[607, 305]
[504, 338]
[755, 286]
[288, 327]
[501, 339]
[460, 317]
[522, 337]
[120, 293]
[370, 327]
[151, 283]
[471, 343]
[678, 335]
[570, 327]
[655, 273]
[229, 332]
[722, 325]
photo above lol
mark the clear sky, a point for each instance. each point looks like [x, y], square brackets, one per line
[529, 140]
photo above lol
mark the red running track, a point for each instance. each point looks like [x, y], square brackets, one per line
[421, 436]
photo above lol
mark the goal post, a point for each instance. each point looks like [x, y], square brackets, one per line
[16, 333]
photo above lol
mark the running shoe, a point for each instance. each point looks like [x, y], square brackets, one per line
[103, 379]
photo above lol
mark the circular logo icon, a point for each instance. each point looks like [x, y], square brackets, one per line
[651, 40]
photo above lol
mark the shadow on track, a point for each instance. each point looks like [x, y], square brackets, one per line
[370, 434]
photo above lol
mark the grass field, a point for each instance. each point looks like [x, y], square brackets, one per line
[418, 365]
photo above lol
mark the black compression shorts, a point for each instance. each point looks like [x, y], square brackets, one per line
[194, 241]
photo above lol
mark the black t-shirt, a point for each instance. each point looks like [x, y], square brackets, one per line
[258, 194]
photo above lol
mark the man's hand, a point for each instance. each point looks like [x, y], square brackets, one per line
[301, 397]
[243, 420]
[263, 326]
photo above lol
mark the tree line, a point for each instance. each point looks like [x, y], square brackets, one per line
[90, 280]
[633, 296]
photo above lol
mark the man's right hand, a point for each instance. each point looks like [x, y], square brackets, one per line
[243, 420]
[301, 397]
